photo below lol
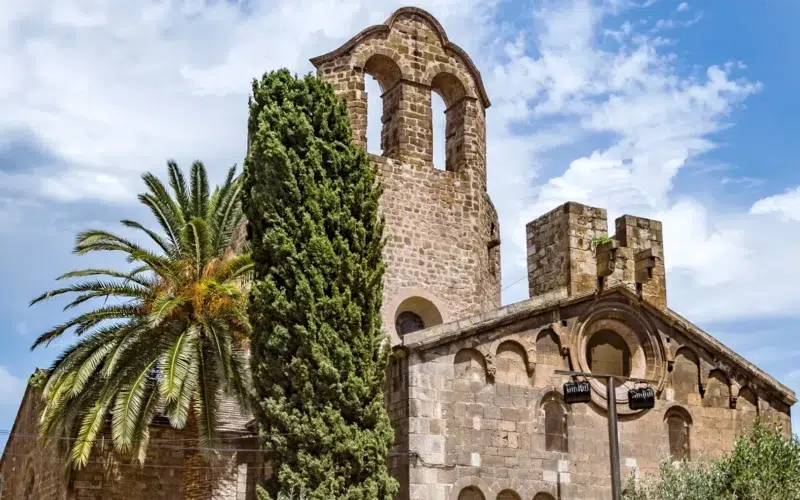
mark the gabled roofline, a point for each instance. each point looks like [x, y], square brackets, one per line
[386, 27]
[448, 332]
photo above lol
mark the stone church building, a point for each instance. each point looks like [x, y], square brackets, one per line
[478, 411]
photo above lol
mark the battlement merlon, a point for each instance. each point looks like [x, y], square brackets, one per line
[570, 254]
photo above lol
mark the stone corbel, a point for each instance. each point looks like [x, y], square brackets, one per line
[644, 263]
[531, 352]
[491, 367]
[606, 258]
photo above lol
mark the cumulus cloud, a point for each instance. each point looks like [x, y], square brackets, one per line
[11, 387]
[786, 205]
[589, 104]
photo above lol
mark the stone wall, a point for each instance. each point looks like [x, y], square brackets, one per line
[107, 477]
[31, 470]
[442, 230]
[567, 259]
[479, 404]
[560, 251]
[438, 232]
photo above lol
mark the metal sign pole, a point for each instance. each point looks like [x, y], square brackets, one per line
[613, 434]
[613, 438]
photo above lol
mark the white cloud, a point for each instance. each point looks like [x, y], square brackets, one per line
[683, 6]
[785, 205]
[588, 105]
[11, 387]
[116, 89]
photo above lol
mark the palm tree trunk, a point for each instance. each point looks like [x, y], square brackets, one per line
[197, 478]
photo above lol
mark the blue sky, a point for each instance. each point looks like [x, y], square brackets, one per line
[685, 112]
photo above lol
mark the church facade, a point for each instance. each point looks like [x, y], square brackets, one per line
[477, 407]
[472, 389]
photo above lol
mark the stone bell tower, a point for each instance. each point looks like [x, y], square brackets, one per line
[442, 251]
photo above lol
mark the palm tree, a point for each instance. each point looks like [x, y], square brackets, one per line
[170, 337]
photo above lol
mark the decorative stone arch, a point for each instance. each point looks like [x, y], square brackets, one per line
[469, 365]
[685, 376]
[718, 390]
[406, 107]
[507, 370]
[508, 494]
[637, 330]
[449, 47]
[548, 348]
[385, 66]
[747, 399]
[430, 309]
[458, 118]
[470, 482]
[447, 78]
[678, 422]
[528, 348]
[554, 414]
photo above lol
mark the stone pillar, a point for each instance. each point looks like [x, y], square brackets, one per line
[561, 258]
[639, 235]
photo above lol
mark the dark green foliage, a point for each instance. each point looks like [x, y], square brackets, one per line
[319, 355]
[764, 464]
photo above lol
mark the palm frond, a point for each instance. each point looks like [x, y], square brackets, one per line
[132, 276]
[167, 214]
[95, 288]
[176, 363]
[196, 243]
[206, 402]
[91, 425]
[167, 247]
[128, 337]
[235, 268]
[178, 184]
[199, 190]
[89, 367]
[142, 431]
[178, 410]
[163, 306]
[128, 408]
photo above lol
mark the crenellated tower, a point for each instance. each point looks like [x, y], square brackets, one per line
[442, 252]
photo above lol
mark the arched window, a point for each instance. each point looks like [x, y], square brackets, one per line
[555, 427]
[543, 496]
[548, 350]
[678, 424]
[508, 495]
[511, 362]
[408, 322]
[471, 493]
[470, 366]
[415, 313]
[718, 391]
[381, 78]
[439, 131]
[452, 93]
[608, 353]
[686, 377]
[374, 114]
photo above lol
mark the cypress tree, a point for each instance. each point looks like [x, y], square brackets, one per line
[318, 352]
